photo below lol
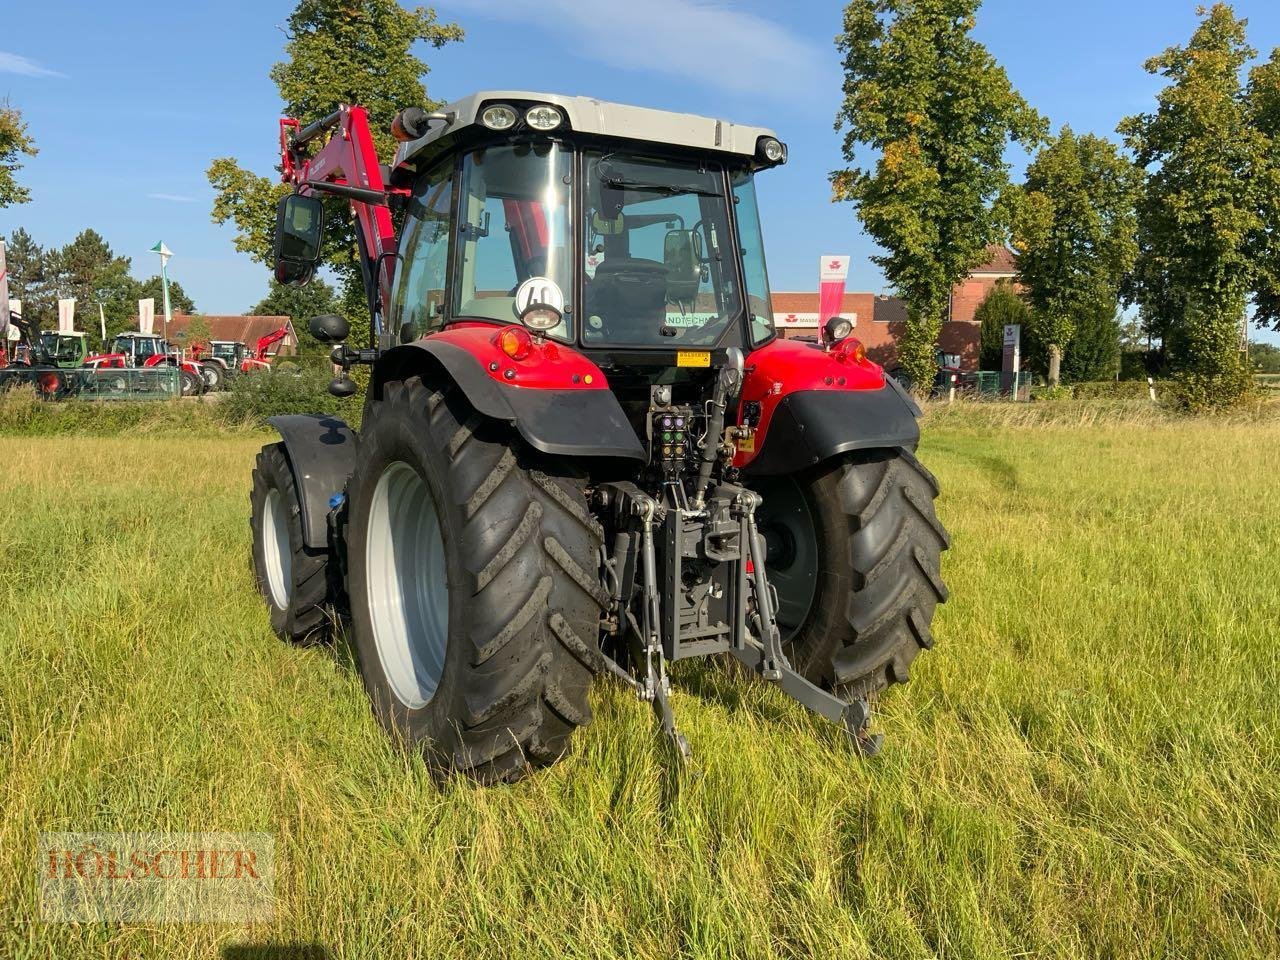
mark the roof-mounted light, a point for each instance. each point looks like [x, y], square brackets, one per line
[499, 117]
[771, 150]
[543, 117]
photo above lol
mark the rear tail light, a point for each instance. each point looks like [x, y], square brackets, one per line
[515, 342]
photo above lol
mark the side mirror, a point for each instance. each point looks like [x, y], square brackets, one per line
[299, 230]
[329, 328]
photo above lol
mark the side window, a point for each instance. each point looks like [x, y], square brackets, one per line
[759, 302]
[418, 301]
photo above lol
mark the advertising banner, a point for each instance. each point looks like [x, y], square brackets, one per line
[147, 315]
[832, 273]
[66, 315]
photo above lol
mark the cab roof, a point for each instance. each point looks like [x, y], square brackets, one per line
[587, 115]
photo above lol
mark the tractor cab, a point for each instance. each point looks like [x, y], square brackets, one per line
[64, 349]
[138, 348]
[230, 352]
[650, 245]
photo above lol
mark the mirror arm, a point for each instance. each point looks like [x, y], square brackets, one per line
[355, 194]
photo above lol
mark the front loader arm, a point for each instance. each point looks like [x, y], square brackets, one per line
[348, 158]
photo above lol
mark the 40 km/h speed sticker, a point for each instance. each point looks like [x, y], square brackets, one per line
[693, 358]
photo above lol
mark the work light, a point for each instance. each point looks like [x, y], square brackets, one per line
[836, 329]
[772, 150]
[543, 117]
[498, 117]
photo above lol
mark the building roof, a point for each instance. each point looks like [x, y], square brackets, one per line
[1000, 261]
[600, 117]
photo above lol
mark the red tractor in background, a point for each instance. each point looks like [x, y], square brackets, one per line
[584, 448]
[143, 350]
[227, 358]
[262, 353]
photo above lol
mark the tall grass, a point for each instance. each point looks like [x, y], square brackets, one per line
[1086, 765]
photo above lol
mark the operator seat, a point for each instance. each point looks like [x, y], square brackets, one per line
[629, 295]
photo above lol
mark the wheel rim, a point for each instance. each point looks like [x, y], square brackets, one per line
[407, 584]
[276, 552]
[791, 560]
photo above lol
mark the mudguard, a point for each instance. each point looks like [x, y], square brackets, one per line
[557, 398]
[810, 404]
[810, 426]
[322, 454]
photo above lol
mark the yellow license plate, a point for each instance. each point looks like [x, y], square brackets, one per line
[747, 444]
[693, 358]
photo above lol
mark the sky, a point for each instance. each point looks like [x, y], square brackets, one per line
[129, 108]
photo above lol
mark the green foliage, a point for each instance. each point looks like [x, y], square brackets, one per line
[153, 286]
[1074, 227]
[23, 414]
[300, 304]
[1200, 215]
[197, 331]
[1095, 346]
[254, 397]
[1264, 357]
[15, 143]
[1001, 307]
[1264, 112]
[1120, 389]
[337, 53]
[29, 280]
[938, 109]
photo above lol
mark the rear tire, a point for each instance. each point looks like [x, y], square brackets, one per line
[191, 385]
[858, 548]
[473, 582]
[291, 576]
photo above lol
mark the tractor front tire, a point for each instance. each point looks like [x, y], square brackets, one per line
[293, 577]
[855, 555]
[473, 583]
[215, 377]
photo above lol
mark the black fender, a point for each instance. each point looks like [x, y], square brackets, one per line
[322, 454]
[564, 423]
[809, 426]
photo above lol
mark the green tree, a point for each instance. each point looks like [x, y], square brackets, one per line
[1075, 225]
[153, 287]
[15, 142]
[1095, 346]
[300, 304]
[1200, 212]
[1264, 112]
[1003, 305]
[1264, 357]
[88, 270]
[197, 331]
[338, 52]
[938, 109]
[28, 279]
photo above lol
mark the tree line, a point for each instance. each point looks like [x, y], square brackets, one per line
[1182, 223]
[94, 274]
[1179, 219]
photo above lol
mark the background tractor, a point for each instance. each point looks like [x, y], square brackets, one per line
[584, 448]
[147, 350]
[35, 359]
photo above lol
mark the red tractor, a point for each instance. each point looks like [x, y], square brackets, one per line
[262, 353]
[584, 448]
[146, 350]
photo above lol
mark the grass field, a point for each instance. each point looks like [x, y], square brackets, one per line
[1087, 764]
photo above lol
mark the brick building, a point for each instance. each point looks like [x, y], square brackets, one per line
[877, 320]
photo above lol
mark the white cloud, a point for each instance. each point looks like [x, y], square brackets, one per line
[13, 63]
[174, 197]
[702, 40]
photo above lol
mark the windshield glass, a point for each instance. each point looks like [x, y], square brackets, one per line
[659, 253]
[224, 351]
[514, 224]
[60, 348]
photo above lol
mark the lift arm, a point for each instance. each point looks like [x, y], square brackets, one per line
[347, 159]
[267, 342]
